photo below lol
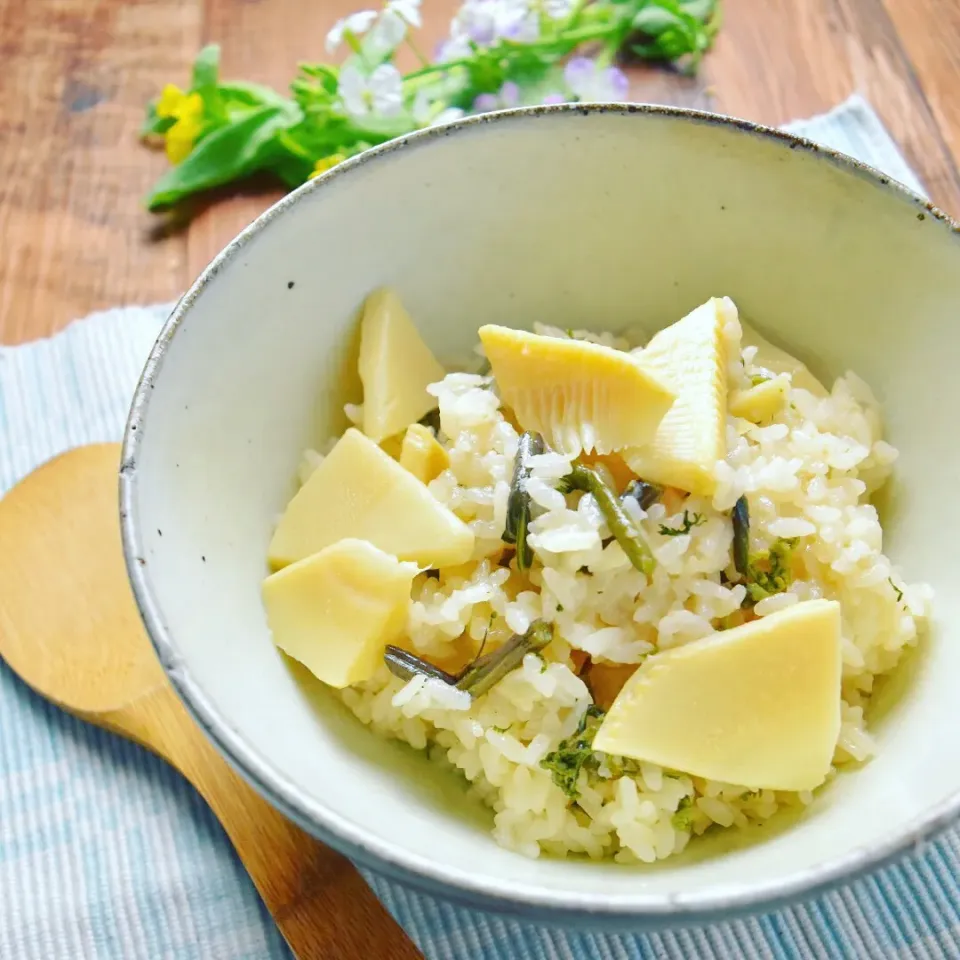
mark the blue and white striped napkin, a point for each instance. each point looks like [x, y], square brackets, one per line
[106, 853]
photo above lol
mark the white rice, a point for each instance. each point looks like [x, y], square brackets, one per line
[808, 474]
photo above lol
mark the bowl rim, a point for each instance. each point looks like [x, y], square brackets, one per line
[390, 858]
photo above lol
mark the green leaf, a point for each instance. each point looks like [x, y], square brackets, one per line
[329, 77]
[654, 20]
[206, 68]
[771, 572]
[683, 818]
[239, 94]
[235, 150]
[676, 29]
[292, 170]
[672, 44]
[574, 753]
[154, 125]
[206, 76]
[703, 10]
[379, 129]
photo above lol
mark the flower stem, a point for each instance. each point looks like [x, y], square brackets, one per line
[417, 52]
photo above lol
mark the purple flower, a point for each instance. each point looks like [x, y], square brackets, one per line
[616, 82]
[553, 98]
[484, 21]
[591, 83]
[507, 96]
[485, 103]
[520, 25]
[579, 72]
[477, 21]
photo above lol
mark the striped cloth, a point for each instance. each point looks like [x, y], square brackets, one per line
[107, 853]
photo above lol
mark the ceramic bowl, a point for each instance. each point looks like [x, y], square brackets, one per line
[601, 217]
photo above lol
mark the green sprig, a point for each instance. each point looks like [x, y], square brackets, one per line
[246, 128]
[690, 520]
[575, 753]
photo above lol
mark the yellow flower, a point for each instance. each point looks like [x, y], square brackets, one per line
[170, 102]
[326, 163]
[188, 111]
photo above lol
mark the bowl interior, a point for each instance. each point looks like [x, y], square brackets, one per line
[598, 218]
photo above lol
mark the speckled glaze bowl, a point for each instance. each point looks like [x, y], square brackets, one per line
[603, 217]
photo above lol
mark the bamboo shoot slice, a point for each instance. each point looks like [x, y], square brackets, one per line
[580, 396]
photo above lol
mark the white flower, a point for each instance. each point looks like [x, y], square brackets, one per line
[391, 27]
[517, 21]
[381, 92]
[406, 10]
[356, 24]
[387, 34]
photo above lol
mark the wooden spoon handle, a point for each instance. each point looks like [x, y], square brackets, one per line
[322, 905]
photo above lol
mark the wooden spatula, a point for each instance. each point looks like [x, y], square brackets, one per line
[70, 629]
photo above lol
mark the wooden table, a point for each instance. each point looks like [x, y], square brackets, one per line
[74, 236]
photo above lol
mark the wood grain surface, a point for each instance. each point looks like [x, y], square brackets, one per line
[73, 233]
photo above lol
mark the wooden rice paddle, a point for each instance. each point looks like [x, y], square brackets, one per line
[69, 627]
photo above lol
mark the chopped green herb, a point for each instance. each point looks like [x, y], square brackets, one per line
[683, 818]
[767, 573]
[574, 753]
[771, 572]
[689, 522]
[501, 729]
[896, 589]
[757, 379]
[619, 766]
[570, 333]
